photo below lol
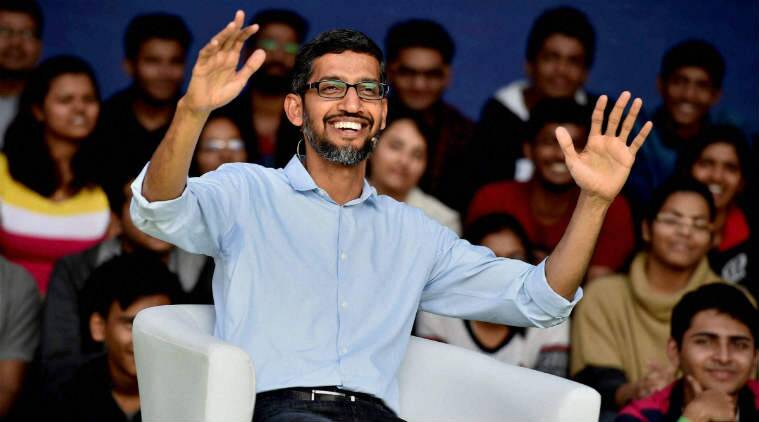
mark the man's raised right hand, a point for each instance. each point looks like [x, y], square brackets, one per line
[215, 79]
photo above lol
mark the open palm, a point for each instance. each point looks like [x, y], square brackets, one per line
[601, 169]
[215, 79]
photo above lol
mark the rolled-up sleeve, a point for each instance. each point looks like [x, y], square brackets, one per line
[471, 282]
[197, 220]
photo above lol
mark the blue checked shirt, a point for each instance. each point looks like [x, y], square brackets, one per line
[325, 294]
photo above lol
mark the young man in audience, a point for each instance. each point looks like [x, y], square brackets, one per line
[620, 329]
[20, 47]
[105, 387]
[270, 138]
[690, 83]
[713, 343]
[135, 119]
[560, 51]
[20, 305]
[544, 204]
[419, 56]
[64, 343]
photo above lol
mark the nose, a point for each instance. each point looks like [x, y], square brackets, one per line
[351, 103]
[722, 354]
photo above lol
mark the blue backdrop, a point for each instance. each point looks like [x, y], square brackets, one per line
[490, 38]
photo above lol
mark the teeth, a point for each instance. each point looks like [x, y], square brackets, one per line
[347, 125]
[78, 120]
[687, 107]
[715, 189]
[559, 168]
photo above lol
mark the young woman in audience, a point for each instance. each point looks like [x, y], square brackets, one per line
[621, 326]
[543, 349]
[719, 161]
[50, 205]
[397, 164]
[220, 142]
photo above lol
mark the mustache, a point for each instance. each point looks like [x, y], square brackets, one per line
[369, 120]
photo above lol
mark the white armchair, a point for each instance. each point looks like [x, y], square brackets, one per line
[186, 374]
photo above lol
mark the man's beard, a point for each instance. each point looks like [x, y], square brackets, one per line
[347, 155]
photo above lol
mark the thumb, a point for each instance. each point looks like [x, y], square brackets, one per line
[565, 142]
[251, 65]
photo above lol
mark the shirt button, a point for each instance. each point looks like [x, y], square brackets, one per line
[343, 256]
[344, 304]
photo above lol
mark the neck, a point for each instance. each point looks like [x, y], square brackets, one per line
[127, 246]
[267, 104]
[62, 150]
[548, 205]
[721, 218]
[489, 334]
[150, 115]
[393, 193]
[688, 131]
[666, 278]
[123, 384]
[11, 87]
[531, 96]
[342, 183]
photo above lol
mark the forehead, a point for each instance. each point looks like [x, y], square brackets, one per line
[692, 73]
[712, 322]
[278, 31]
[161, 46]
[348, 66]
[420, 58]
[18, 20]
[563, 44]
[405, 131]
[71, 82]
[687, 203]
[721, 151]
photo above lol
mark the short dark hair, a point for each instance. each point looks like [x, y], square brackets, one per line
[165, 26]
[126, 278]
[28, 7]
[29, 158]
[284, 16]
[488, 224]
[566, 21]
[717, 134]
[720, 297]
[673, 185]
[419, 33]
[335, 41]
[694, 53]
[556, 110]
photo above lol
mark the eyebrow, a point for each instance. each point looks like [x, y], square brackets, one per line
[338, 78]
[679, 214]
[714, 336]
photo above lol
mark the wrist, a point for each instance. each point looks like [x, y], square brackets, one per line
[186, 110]
[594, 202]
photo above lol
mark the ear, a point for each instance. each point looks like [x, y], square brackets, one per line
[383, 118]
[529, 70]
[716, 238]
[447, 75]
[97, 327]
[673, 353]
[527, 149]
[660, 85]
[646, 231]
[37, 113]
[717, 96]
[294, 109]
[128, 66]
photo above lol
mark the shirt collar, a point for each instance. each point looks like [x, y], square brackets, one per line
[301, 181]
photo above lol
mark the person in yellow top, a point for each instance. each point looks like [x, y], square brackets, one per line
[621, 327]
[50, 205]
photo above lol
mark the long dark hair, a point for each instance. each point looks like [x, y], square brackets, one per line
[29, 158]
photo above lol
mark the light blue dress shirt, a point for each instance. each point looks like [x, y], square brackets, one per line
[325, 294]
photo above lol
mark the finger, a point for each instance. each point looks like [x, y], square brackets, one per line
[251, 65]
[209, 49]
[616, 114]
[243, 36]
[597, 118]
[234, 30]
[629, 122]
[641, 137]
[695, 385]
[565, 142]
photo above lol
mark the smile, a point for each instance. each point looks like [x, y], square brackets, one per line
[342, 124]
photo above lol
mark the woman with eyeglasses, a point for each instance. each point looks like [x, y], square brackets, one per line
[621, 327]
[720, 161]
[50, 204]
[542, 349]
[220, 142]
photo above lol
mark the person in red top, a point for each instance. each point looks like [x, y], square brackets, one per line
[544, 204]
[720, 161]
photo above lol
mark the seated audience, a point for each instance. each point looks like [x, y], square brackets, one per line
[713, 344]
[561, 47]
[419, 55]
[136, 119]
[397, 164]
[258, 111]
[544, 204]
[105, 387]
[50, 205]
[690, 84]
[720, 162]
[543, 349]
[20, 48]
[620, 328]
[64, 343]
[220, 142]
[19, 331]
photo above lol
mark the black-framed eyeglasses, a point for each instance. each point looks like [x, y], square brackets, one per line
[336, 89]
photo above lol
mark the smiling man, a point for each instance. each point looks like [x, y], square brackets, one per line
[714, 345]
[317, 277]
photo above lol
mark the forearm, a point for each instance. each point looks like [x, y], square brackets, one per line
[11, 379]
[569, 261]
[167, 174]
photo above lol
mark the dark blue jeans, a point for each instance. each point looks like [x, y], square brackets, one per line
[271, 409]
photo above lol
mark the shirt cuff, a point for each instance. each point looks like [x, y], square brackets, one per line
[141, 208]
[549, 301]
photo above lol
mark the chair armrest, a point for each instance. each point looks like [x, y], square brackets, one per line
[186, 374]
[439, 382]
